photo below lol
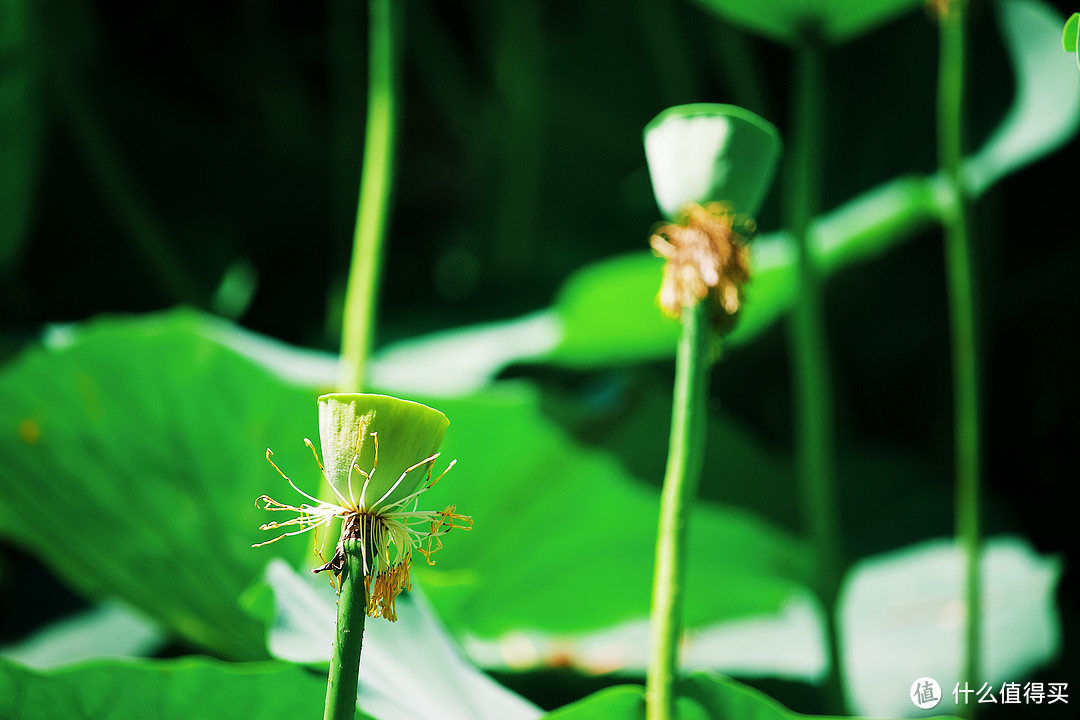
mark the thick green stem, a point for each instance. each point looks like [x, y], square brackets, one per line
[345, 663]
[686, 450]
[374, 202]
[962, 317]
[814, 441]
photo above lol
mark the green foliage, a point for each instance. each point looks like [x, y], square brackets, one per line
[143, 439]
[582, 520]
[158, 508]
[133, 446]
[703, 695]
[484, 589]
[182, 688]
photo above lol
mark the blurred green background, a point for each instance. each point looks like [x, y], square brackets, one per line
[207, 155]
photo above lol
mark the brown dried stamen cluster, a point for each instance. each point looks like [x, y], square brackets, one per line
[366, 533]
[706, 257]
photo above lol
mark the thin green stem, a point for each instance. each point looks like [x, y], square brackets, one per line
[359, 318]
[814, 441]
[375, 185]
[686, 450]
[963, 324]
[345, 662]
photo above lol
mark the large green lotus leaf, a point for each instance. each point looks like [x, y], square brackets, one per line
[901, 614]
[788, 20]
[133, 454]
[703, 696]
[506, 423]
[192, 687]
[609, 314]
[564, 536]
[622, 702]
[628, 419]
[720, 697]
[147, 436]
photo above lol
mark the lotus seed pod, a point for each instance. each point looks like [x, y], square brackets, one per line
[705, 153]
[405, 435]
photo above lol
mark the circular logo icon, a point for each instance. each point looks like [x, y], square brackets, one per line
[925, 693]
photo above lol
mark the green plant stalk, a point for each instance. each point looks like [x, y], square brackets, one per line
[963, 326]
[686, 451]
[348, 642]
[375, 185]
[814, 432]
[357, 328]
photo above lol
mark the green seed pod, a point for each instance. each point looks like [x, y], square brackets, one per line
[704, 153]
[377, 449]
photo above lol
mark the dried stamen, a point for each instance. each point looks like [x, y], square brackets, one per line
[706, 257]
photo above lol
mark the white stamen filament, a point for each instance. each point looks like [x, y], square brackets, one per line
[395, 485]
